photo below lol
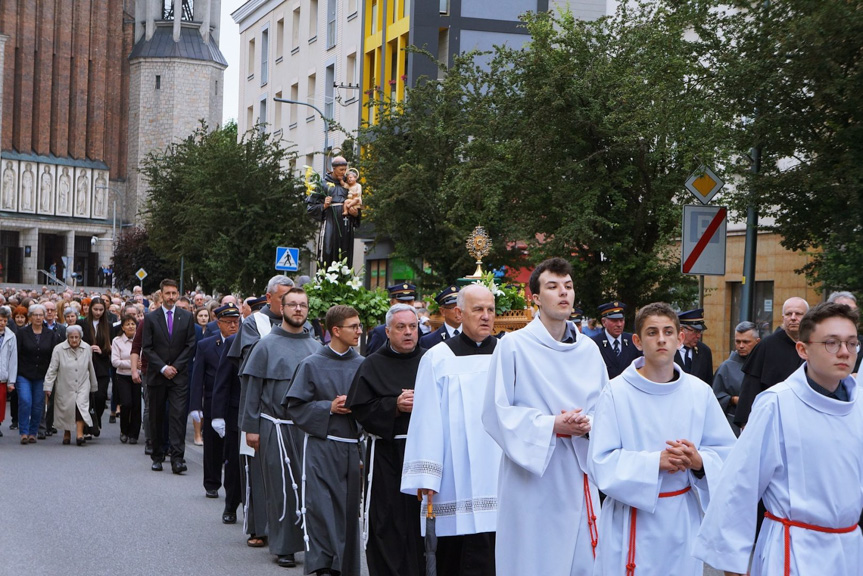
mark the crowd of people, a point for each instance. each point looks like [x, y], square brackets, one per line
[546, 450]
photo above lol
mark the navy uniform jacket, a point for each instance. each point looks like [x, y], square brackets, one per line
[204, 375]
[616, 364]
[226, 389]
[435, 337]
[377, 338]
[702, 362]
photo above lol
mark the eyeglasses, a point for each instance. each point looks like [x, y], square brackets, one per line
[832, 345]
[354, 327]
[300, 305]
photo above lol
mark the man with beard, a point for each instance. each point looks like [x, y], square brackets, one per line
[278, 445]
[773, 360]
[256, 326]
[448, 454]
[381, 399]
[207, 358]
[316, 403]
[337, 230]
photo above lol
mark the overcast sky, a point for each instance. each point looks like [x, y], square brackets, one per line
[229, 44]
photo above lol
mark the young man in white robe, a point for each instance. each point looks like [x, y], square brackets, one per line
[657, 445]
[448, 454]
[802, 454]
[543, 386]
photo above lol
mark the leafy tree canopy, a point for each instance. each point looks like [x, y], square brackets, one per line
[577, 144]
[132, 253]
[225, 205]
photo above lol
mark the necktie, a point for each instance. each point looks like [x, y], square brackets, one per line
[687, 361]
[170, 322]
[616, 346]
[455, 333]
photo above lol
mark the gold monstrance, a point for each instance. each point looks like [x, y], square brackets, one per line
[478, 246]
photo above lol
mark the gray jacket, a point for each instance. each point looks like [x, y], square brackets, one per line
[9, 357]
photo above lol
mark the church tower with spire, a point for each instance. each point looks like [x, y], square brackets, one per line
[176, 80]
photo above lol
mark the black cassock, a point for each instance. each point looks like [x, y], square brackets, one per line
[772, 361]
[337, 232]
[395, 546]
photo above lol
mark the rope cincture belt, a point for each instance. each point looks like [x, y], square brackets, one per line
[285, 463]
[592, 528]
[368, 503]
[787, 524]
[633, 513]
[305, 453]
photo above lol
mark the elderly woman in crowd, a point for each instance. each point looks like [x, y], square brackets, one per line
[8, 359]
[72, 378]
[127, 392]
[35, 345]
[19, 316]
[70, 316]
[98, 333]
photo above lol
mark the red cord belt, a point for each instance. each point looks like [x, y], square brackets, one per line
[633, 512]
[787, 524]
[591, 516]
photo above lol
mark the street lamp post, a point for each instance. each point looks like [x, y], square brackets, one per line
[326, 126]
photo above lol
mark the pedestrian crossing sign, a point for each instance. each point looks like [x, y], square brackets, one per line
[287, 259]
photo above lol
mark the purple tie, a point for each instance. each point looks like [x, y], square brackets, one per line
[170, 322]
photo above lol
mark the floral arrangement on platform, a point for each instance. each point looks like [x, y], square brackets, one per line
[507, 297]
[337, 284]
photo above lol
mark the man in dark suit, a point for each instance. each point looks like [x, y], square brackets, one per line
[694, 356]
[405, 293]
[224, 420]
[616, 346]
[451, 326]
[207, 358]
[168, 342]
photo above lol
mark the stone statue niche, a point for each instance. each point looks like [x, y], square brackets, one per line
[9, 191]
[27, 201]
[64, 192]
[46, 189]
[82, 193]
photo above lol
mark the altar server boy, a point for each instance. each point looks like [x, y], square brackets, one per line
[656, 450]
[802, 454]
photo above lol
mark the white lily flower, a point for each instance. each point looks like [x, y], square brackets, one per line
[345, 270]
[355, 283]
[334, 278]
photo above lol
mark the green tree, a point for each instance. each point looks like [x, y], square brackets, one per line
[225, 204]
[793, 77]
[578, 144]
[132, 253]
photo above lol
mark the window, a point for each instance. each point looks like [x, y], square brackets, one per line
[330, 79]
[313, 20]
[331, 23]
[351, 69]
[277, 110]
[352, 8]
[310, 159]
[265, 54]
[262, 115]
[444, 6]
[763, 316]
[280, 40]
[295, 32]
[250, 117]
[377, 273]
[158, 82]
[295, 95]
[251, 64]
[310, 97]
[373, 27]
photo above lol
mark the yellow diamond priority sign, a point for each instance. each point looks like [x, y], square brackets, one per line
[704, 184]
[141, 274]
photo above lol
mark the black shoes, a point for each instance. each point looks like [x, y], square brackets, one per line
[229, 518]
[112, 419]
[211, 493]
[156, 467]
[1, 433]
[124, 438]
[148, 448]
[133, 440]
[80, 440]
[286, 561]
[178, 467]
[13, 426]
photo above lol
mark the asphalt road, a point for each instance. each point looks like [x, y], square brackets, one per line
[99, 510]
